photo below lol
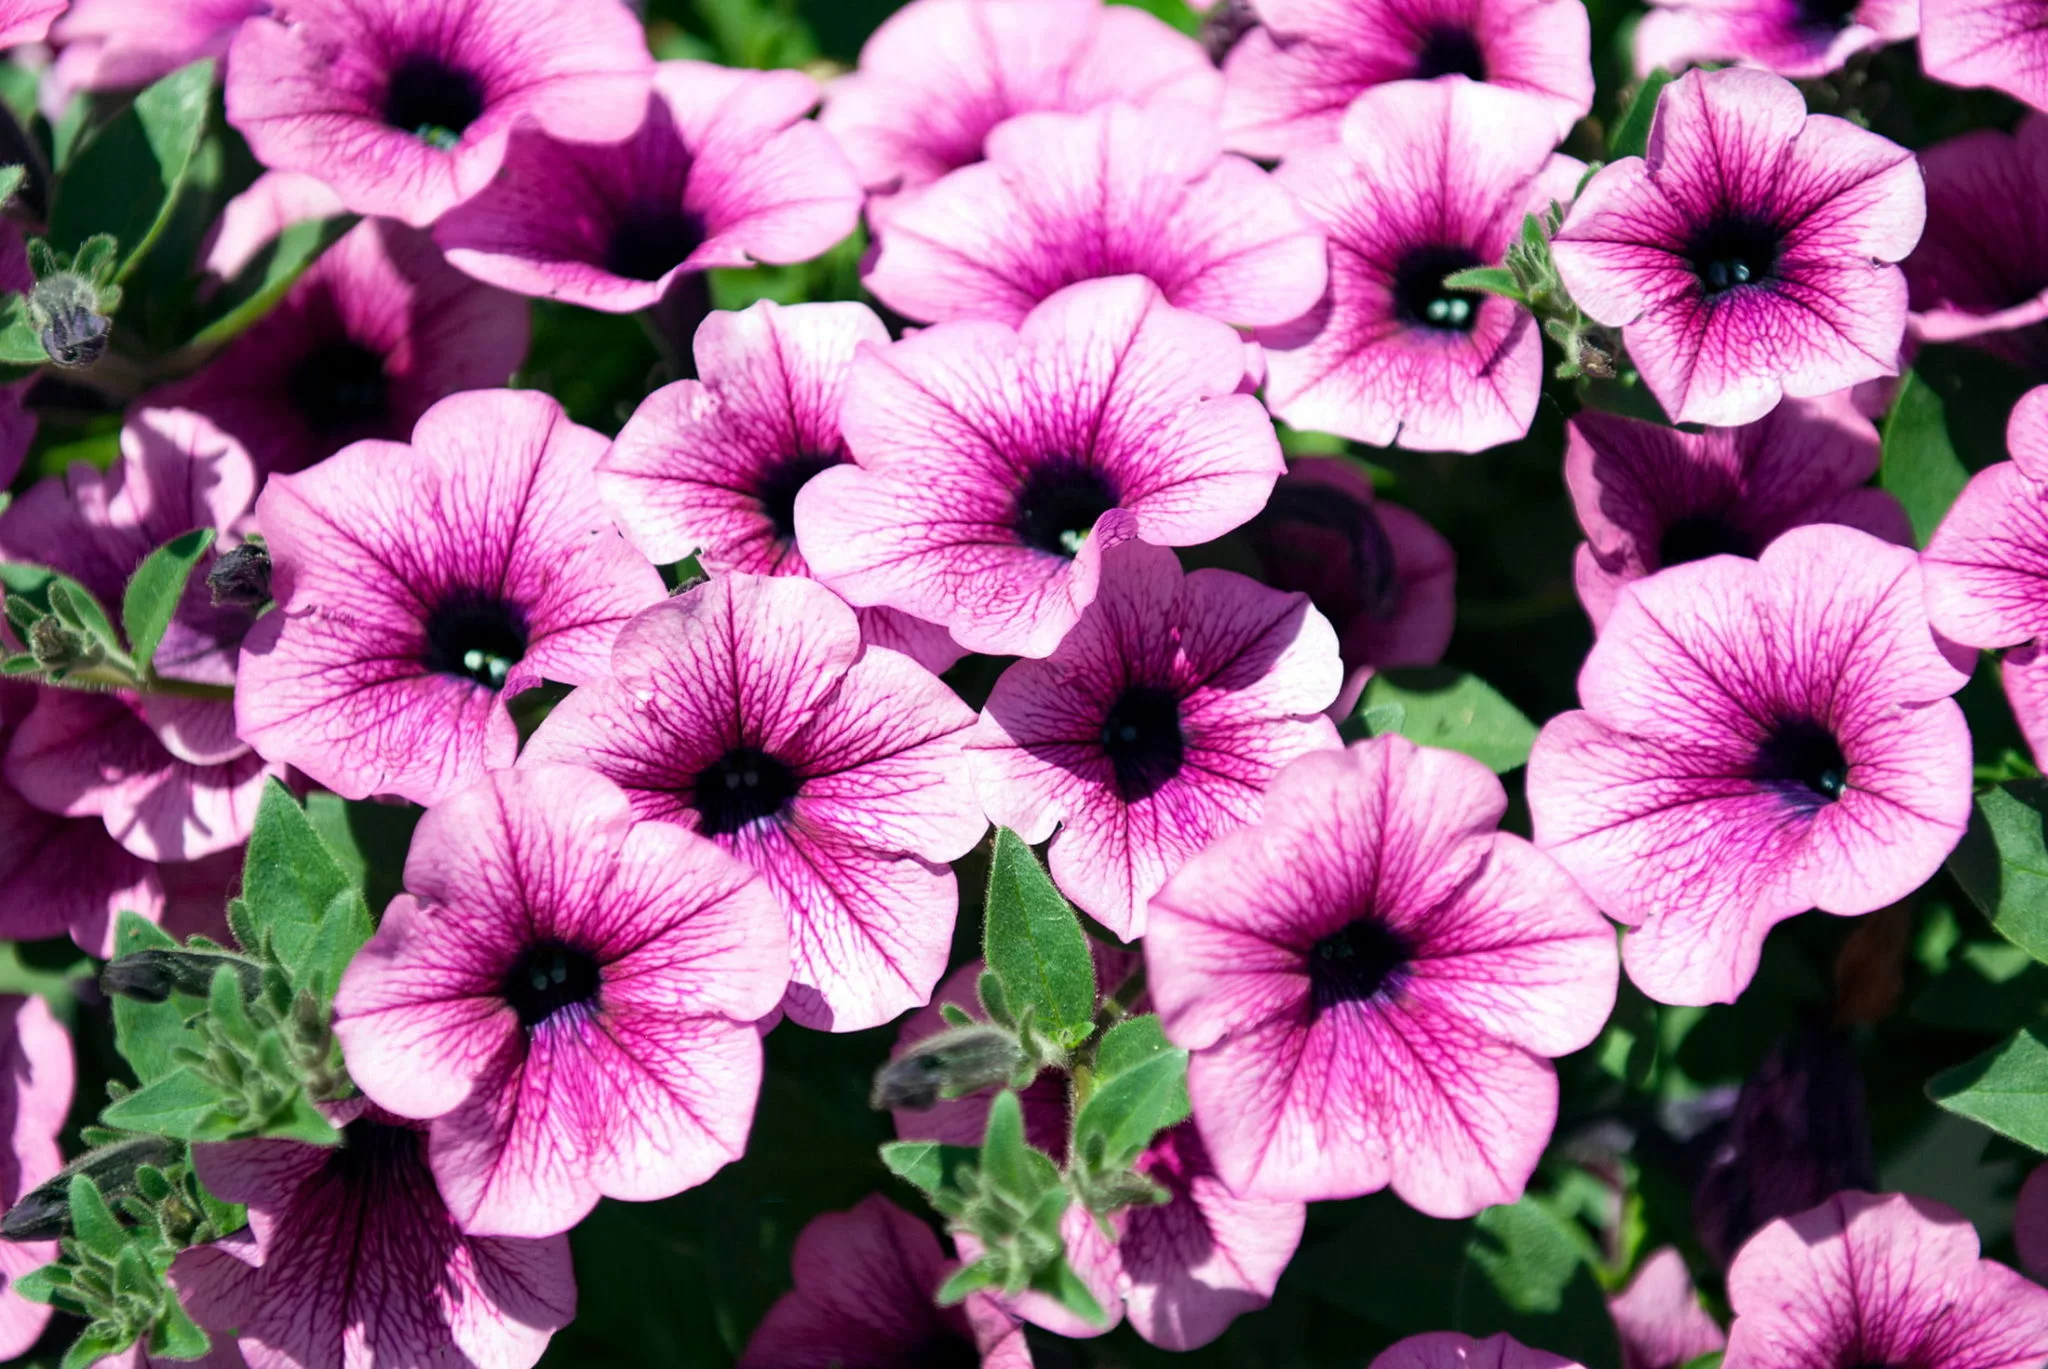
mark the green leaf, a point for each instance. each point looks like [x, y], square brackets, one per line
[174, 1105]
[125, 179]
[1493, 280]
[931, 1167]
[1034, 944]
[1632, 135]
[1005, 1158]
[54, 592]
[41, 1283]
[1177, 13]
[1129, 1043]
[92, 1222]
[1710, 1360]
[1059, 1282]
[11, 178]
[2005, 1089]
[1446, 708]
[2002, 863]
[95, 1343]
[1129, 1109]
[268, 278]
[21, 344]
[176, 1336]
[965, 1282]
[1527, 1272]
[1920, 465]
[298, 896]
[155, 589]
[147, 1034]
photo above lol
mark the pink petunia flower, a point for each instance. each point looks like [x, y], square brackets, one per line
[1649, 496]
[1759, 738]
[1370, 980]
[939, 75]
[1154, 727]
[1116, 191]
[26, 21]
[1980, 273]
[121, 44]
[1289, 83]
[712, 466]
[725, 171]
[573, 997]
[419, 587]
[351, 1259]
[405, 107]
[1428, 179]
[749, 710]
[1880, 1279]
[35, 1096]
[1995, 43]
[1455, 1350]
[1749, 255]
[995, 467]
[863, 1300]
[1659, 1318]
[1800, 39]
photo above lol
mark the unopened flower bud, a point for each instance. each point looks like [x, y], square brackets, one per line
[240, 578]
[1596, 360]
[44, 1212]
[66, 312]
[153, 975]
[57, 647]
[950, 1065]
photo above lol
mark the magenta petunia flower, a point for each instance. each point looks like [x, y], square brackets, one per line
[420, 587]
[26, 21]
[749, 710]
[1429, 179]
[35, 1096]
[1116, 191]
[1154, 727]
[1749, 256]
[377, 331]
[725, 171]
[939, 75]
[1796, 38]
[863, 1300]
[1880, 1279]
[1759, 738]
[1659, 1319]
[572, 996]
[712, 466]
[120, 44]
[1980, 273]
[1370, 980]
[995, 467]
[1289, 82]
[351, 1259]
[1995, 43]
[1649, 496]
[405, 107]
[1455, 1350]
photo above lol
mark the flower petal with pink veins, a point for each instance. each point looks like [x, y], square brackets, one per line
[35, 1063]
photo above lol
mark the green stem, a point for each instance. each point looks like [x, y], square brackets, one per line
[188, 689]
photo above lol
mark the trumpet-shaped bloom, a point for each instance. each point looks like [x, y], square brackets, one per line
[351, 1259]
[405, 107]
[1428, 179]
[1880, 1279]
[995, 467]
[1758, 738]
[1980, 273]
[26, 21]
[1455, 1350]
[725, 171]
[1370, 979]
[1995, 43]
[1749, 255]
[1154, 727]
[35, 1095]
[1659, 1318]
[1649, 496]
[1796, 38]
[419, 587]
[572, 996]
[749, 710]
[939, 75]
[119, 44]
[1116, 191]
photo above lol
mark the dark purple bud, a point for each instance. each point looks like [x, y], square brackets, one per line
[950, 1065]
[44, 1212]
[240, 578]
[66, 311]
[153, 975]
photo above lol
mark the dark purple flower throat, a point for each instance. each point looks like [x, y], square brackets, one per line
[651, 240]
[1449, 51]
[1420, 298]
[340, 388]
[1143, 738]
[476, 635]
[1802, 758]
[741, 788]
[779, 486]
[1356, 964]
[1058, 505]
[1732, 251]
[1697, 536]
[432, 100]
[550, 978]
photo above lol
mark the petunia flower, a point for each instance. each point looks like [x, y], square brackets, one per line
[712, 466]
[1800, 39]
[995, 467]
[938, 75]
[1758, 738]
[1994, 43]
[1154, 727]
[1370, 980]
[1428, 179]
[1116, 191]
[405, 107]
[863, 1300]
[1749, 255]
[1289, 82]
[122, 44]
[1980, 272]
[36, 1078]
[1650, 496]
[725, 171]
[351, 1259]
[1659, 1319]
[572, 997]
[26, 21]
[1455, 1350]
[1880, 1279]
[748, 709]
[419, 587]
[377, 331]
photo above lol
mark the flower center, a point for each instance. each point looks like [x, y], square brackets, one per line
[339, 388]
[1420, 299]
[1697, 536]
[1058, 506]
[372, 1151]
[1733, 252]
[1143, 738]
[1356, 964]
[432, 100]
[1803, 756]
[550, 978]
[741, 788]
[1448, 51]
[652, 240]
[476, 635]
[778, 488]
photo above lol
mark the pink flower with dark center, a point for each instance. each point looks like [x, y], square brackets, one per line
[1649, 496]
[1429, 179]
[120, 44]
[1980, 273]
[1759, 738]
[35, 1096]
[1749, 255]
[26, 21]
[1117, 191]
[1800, 39]
[749, 710]
[1880, 1279]
[1288, 83]
[1154, 727]
[863, 1300]
[574, 997]
[351, 1259]
[725, 171]
[1659, 1317]
[405, 107]
[939, 75]
[995, 467]
[420, 587]
[1995, 43]
[712, 466]
[1370, 980]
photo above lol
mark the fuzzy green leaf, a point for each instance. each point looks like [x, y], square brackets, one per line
[97, 1342]
[21, 344]
[1129, 1109]
[931, 1167]
[1034, 944]
[1059, 1282]
[155, 589]
[92, 1222]
[1920, 465]
[2005, 1089]
[298, 896]
[1493, 280]
[2002, 863]
[1446, 708]
[174, 1105]
[176, 1336]
[1130, 1042]
[147, 1034]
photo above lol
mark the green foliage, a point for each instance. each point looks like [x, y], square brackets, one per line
[1446, 708]
[1632, 133]
[1527, 1272]
[125, 177]
[1494, 280]
[154, 591]
[1920, 465]
[2005, 1089]
[2002, 863]
[267, 279]
[1140, 1089]
[1035, 947]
